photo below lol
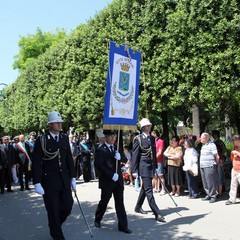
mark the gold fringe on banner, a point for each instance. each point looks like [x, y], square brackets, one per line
[119, 127]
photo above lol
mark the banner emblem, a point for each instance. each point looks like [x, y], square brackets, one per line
[121, 100]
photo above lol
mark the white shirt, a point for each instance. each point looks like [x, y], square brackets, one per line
[54, 135]
[190, 157]
[109, 145]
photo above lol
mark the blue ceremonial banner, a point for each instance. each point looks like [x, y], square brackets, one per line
[121, 100]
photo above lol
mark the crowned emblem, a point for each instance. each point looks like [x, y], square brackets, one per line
[125, 67]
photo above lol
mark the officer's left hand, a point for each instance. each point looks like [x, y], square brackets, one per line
[73, 184]
[118, 156]
[135, 175]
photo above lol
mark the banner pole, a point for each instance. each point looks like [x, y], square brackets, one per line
[118, 147]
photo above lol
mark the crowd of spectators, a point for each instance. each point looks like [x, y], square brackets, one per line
[16, 160]
[196, 164]
[199, 165]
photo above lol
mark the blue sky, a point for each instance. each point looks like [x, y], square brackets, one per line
[20, 18]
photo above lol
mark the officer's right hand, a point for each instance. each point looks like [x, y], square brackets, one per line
[115, 177]
[135, 175]
[39, 189]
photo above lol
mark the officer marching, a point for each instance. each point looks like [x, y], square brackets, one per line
[53, 174]
[144, 165]
[110, 181]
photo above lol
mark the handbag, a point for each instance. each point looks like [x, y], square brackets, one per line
[194, 170]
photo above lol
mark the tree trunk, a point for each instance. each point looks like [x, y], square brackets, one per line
[228, 128]
[237, 119]
[195, 120]
[164, 116]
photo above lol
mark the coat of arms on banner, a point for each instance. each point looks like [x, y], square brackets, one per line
[124, 80]
[122, 87]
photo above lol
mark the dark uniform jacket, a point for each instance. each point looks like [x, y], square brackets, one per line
[143, 159]
[105, 162]
[9, 153]
[3, 158]
[54, 174]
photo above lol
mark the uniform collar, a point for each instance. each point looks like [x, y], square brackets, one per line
[53, 135]
[145, 135]
[108, 145]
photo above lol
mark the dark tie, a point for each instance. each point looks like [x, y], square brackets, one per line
[56, 138]
[112, 149]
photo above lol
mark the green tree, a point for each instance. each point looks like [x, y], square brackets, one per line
[190, 59]
[32, 46]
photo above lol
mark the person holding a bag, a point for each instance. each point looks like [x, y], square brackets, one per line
[191, 167]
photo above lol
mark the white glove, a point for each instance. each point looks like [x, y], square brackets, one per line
[135, 175]
[115, 177]
[73, 184]
[39, 189]
[117, 156]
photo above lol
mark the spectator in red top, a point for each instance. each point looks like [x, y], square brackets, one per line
[159, 175]
[235, 174]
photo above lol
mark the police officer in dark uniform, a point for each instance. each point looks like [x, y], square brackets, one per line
[53, 174]
[144, 165]
[107, 161]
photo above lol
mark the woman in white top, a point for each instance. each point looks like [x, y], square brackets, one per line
[191, 167]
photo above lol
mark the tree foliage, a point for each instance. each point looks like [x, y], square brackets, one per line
[190, 57]
[32, 46]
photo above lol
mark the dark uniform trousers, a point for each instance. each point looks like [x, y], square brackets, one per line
[23, 162]
[106, 164]
[55, 176]
[144, 163]
[147, 191]
[23, 168]
[59, 206]
[106, 194]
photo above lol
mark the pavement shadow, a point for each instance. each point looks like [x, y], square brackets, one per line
[23, 217]
[143, 228]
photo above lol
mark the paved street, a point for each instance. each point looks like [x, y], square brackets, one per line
[23, 217]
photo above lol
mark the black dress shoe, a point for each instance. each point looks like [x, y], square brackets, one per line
[10, 190]
[2, 191]
[97, 224]
[28, 188]
[140, 210]
[22, 189]
[125, 230]
[159, 218]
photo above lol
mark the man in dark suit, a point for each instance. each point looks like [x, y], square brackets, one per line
[53, 174]
[75, 152]
[144, 165]
[9, 153]
[85, 152]
[107, 161]
[2, 170]
[24, 161]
